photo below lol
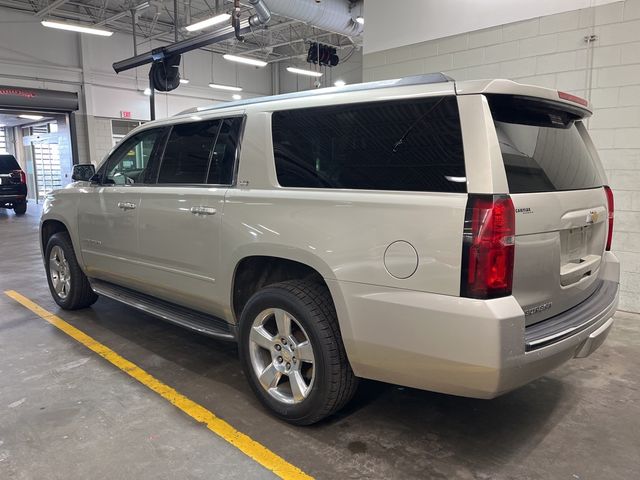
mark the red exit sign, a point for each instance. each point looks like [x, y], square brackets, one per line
[125, 114]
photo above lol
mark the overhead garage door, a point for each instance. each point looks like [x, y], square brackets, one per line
[3, 140]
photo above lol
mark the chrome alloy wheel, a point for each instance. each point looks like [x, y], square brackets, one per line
[59, 272]
[282, 356]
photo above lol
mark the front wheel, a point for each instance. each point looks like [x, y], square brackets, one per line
[68, 284]
[292, 352]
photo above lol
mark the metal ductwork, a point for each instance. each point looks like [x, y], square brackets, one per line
[331, 15]
[262, 15]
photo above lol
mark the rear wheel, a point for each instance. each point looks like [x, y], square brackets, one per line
[20, 208]
[68, 284]
[292, 353]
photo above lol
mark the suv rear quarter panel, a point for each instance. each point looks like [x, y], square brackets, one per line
[343, 234]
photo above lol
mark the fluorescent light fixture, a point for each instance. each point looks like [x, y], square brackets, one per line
[31, 117]
[147, 92]
[76, 28]
[184, 81]
[360, 19]
[300, 71]
[340, 83]
[208, 22]
[225, 87]
[235, 96]
[248, 61]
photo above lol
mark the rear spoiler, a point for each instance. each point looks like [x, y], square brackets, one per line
[577, 105]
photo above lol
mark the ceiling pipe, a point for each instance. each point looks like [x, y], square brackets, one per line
[183, 46]
[331, 15]
[262, 15]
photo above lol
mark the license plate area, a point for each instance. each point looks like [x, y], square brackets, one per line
[574, 244]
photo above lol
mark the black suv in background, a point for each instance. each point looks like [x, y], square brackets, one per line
[13, 185]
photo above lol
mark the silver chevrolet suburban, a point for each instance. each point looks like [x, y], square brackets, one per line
[447, 236]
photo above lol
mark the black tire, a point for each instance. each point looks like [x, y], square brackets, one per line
[80, 294]
[20, 208]
[311, 305]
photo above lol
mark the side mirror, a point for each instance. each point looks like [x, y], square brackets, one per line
[83, 172]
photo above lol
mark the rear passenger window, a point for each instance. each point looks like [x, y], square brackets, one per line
[188, 153]
[224, 153]
[410, 145]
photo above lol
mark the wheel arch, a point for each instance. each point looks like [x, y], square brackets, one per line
[253, 272]
[48, 228]
[51, 225]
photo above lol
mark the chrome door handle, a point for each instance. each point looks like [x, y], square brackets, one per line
[126, 205]
[203, 210]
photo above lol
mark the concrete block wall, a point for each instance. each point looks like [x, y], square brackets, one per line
[102, 138]
[551, 51]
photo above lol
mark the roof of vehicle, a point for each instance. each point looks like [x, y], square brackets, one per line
[468, 87]
[426, 79]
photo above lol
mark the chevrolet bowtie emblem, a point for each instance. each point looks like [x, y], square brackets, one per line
[592, 217]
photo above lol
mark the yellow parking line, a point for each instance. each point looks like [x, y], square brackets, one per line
[242, 442]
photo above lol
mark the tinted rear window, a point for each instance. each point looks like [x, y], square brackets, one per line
[541, 146]
[8, 163]
[410, 145]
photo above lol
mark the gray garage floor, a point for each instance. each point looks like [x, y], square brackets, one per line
[66, 413]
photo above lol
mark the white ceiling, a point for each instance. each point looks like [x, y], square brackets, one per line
[283, 39]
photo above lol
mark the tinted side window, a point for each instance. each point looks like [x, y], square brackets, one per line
[224, 153]
[188, 151]
[129, 163]
[411, 145]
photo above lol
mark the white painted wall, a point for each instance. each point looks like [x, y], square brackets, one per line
[551, 51]
[34, 56]
[393, 24]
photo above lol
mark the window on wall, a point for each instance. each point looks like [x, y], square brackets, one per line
[410, 145]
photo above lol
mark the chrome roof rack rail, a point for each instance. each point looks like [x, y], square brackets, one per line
[425, 79]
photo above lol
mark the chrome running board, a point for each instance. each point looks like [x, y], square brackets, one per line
[172, 313]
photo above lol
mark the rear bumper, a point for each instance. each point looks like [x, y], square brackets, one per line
[464, 346]
[12, 199]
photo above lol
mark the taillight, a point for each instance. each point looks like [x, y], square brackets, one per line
[19, 174]
[488, 247]
[610, 206]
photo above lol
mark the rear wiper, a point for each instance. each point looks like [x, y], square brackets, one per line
[413, 125]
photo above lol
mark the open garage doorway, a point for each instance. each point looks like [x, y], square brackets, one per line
[41, 142]
[36, 127]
